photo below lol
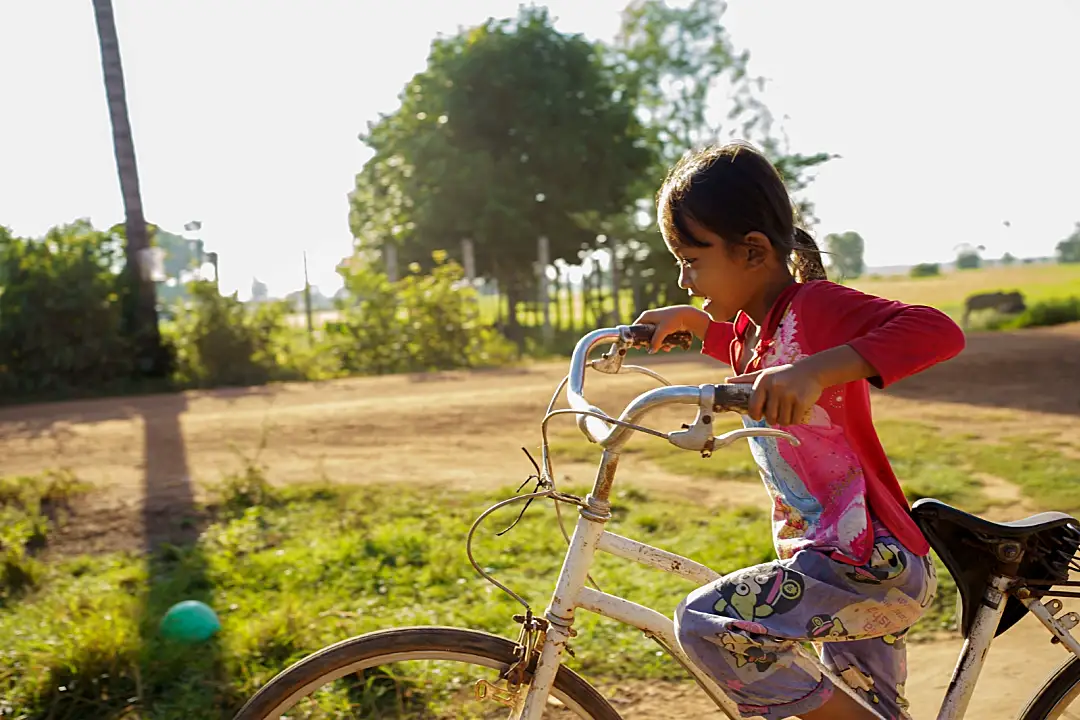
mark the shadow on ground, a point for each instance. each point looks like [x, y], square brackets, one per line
[1034, 370]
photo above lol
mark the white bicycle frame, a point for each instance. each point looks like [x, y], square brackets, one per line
[590, 536]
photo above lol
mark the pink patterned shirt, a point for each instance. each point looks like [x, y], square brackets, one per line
[824, 490]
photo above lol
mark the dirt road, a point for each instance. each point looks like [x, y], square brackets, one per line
[151, 457]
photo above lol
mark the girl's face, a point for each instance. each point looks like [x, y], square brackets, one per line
[726, 276]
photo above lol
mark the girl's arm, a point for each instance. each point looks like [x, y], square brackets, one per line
[862, 337]
[895, 340]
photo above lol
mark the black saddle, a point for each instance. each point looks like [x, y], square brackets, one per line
[967, 545]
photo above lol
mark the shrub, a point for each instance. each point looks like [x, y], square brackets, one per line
[421, 322]
[219, 340]
[926, 270]
[61, 326]
[26, 505]
[1050, 312]
[1042, 314]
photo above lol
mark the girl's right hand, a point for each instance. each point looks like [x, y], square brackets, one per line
[672, 319]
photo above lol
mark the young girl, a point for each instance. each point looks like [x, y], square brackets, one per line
[853, 569]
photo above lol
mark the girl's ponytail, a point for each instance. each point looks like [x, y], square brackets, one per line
[808, 265]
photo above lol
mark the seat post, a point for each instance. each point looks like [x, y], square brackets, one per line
[976, 646]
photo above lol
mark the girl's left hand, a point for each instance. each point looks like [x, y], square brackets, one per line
[783, 395]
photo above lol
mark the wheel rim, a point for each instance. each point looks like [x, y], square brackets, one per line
[1061, 711]
[408, 656]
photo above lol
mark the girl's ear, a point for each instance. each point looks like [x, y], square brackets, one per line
[756, 248]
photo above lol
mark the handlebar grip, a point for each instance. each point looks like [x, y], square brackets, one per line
[642, 337]
[732, 398]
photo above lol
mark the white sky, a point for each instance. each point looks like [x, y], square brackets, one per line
[950, 116]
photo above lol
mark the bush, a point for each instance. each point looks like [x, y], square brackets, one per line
[1042, 314]
[26, 506]
[968, 260]
[61, 323]
[62, 329]
[219, 340]
[419, 323]
[926, 270]
[1051, 312]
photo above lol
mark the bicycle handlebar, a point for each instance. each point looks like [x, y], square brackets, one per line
[726, 398]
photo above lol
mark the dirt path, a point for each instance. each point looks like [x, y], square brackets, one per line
[1018, 664]
[151, 457]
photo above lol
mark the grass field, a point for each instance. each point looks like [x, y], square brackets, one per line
[293, 569]
[946, 292]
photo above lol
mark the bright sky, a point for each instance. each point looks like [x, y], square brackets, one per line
[951, 117]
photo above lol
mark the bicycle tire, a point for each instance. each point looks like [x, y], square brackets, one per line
[401, 644]
[1063, 685]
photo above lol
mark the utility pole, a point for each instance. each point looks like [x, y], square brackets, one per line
[141, 311]
[307, 301]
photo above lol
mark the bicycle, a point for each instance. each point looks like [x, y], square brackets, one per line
[1001, 570]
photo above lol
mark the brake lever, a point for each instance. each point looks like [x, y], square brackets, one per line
[745, 432]
[698, 435]
[611, 361]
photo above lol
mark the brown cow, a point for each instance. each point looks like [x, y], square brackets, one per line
[1008, 303]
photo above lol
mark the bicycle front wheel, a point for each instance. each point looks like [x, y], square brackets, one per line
[415, 672]
[1059, 698]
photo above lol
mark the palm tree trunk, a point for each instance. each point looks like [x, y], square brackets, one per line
[141, 312]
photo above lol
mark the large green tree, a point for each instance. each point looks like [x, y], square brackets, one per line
[692, 88]
[846, 252]
[1068, 250]
[513, 131]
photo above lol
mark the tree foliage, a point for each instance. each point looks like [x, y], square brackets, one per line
[846, 254]
[62, 330]
[61, 316]
[1068, 250]
[692, 85]
[420, 322]
[925, 270]
[511, 132]
[969, 257]
[220, 341]
[692, 88]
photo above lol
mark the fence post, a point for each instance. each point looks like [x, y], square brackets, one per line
[468, 260]
[390, 260]
[543, 255]
[617, 315]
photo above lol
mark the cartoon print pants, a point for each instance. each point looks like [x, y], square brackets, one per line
[742, 628]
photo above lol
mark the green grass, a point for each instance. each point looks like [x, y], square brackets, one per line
[927, 463]
[313, 565]
[292, 570]
[1038, 283]
[947, 292]
[26, 506]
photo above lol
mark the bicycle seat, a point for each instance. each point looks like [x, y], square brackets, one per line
[964, 542]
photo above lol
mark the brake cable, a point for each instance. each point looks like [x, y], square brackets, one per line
[545, 487]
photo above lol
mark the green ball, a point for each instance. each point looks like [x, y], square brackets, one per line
[190, 621]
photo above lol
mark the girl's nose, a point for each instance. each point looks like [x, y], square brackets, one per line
[684, 279]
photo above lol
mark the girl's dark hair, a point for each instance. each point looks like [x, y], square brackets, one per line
[733, 190]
